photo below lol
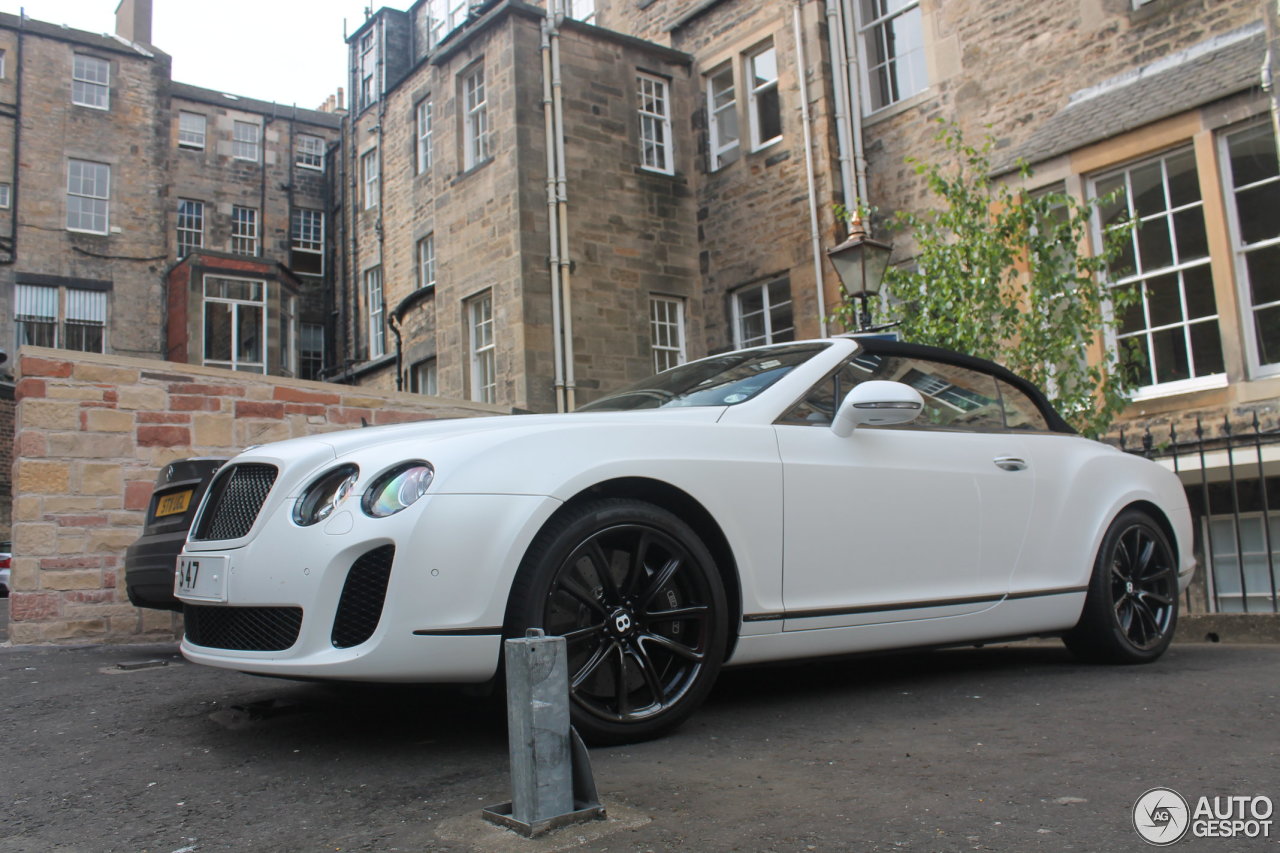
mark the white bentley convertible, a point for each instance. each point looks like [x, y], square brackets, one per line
[790, 501]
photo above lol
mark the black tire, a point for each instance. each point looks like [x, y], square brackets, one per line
[1131, 610]
[646, 637]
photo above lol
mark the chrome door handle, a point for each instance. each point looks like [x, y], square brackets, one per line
[1010, 463]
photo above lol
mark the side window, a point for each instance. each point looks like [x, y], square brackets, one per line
[1020, 411]
[955, 398]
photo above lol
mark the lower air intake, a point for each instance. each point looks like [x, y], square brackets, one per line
[243, 629]
[360, 606]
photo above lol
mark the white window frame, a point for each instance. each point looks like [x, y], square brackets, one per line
[720, 149]
[190, 227]
[422, 122]
[306, 234]
[311, 333]
[874, 30]
[755, 93]
[88, 196]
[1241, 250]
[475, 141]
[244, 230]
[377, 312]
[1178, 268]
[309, 152]
[367, 69]
[2, 65]
[582, 10]
[371, 169]
[237, 305]
[653, 107]
[771, 335]
[482, 348]
[6, 192]
[188, 135]
[424, 378]
[426, 255]
[666, 331]
[90, 82]
[246, 140]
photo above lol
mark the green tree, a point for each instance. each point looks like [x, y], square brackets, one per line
[999, 274]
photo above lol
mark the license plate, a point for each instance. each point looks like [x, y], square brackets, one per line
[174, 503]
[203, 578]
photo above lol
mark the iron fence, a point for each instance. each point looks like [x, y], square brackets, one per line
[1235, 506]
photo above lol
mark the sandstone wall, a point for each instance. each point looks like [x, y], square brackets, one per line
[92, 432]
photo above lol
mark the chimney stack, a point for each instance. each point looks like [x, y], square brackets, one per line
[133, 21]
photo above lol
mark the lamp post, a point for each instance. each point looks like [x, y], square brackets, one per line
[860, 263]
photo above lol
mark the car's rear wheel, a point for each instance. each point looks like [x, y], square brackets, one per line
[1131, 609]
[637, 597]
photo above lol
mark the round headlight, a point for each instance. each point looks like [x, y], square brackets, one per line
[322, 497]
[398, 488]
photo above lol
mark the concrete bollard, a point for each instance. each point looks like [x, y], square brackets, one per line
[551, 782]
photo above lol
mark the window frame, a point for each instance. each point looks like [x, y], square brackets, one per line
[377, 309]
[309, 151]
[242, 215]
[309, 240]
[184, 247]
[307, 355]
[241, 145]
[482, 348]
[425, 255]
[754, 94]
[60, 323]
[191, 144]
[475, 127]
[740, 341]
[866, 31]
[661, 143]
[6, 195]
[1240, 250]
[105, 198]
[1176, 267]
[371, 179]
[84, 84]
[667, 341]
[237, 305]
[720, 153]
[427, 369]
[422, 117]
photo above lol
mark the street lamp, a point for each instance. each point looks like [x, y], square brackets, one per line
[860, 263]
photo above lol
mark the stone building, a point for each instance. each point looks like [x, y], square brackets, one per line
[113, 176]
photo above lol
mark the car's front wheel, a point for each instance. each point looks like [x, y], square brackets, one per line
[638, 599]
[1132, 606]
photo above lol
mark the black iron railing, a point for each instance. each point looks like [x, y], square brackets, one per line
[1234, 503]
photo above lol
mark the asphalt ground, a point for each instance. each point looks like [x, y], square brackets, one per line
[1009, 748]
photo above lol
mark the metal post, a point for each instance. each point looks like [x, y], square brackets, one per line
[551, 784]
[1235, 509]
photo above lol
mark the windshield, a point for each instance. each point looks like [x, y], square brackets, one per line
[722, 380]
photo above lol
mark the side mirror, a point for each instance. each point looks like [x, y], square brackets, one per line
[877, 402]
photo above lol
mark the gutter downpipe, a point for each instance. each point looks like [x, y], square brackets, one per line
[835, 34]
[553, 260]
[853, 92]
[562, 203]
[802, 70]
[17, 148]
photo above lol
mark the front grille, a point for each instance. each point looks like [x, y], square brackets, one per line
[235, 500]
[360, 606]
[244, 629]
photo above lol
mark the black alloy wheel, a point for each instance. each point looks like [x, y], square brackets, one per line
[1132, 606]
[641, 606]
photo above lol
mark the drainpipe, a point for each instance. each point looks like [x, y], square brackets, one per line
[1268, 86]
[562, 206]
[394, 322]
[835, 35]
[815, 237]
[553, 260]
[17, 146]
[853, 91]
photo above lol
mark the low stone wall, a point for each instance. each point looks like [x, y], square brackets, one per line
[92, 432]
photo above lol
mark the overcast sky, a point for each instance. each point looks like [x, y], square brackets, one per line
[290, 51]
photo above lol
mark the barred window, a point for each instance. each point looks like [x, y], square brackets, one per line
[66, 318]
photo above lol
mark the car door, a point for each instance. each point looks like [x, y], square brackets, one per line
[894, 523]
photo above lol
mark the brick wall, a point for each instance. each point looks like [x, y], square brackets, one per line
[92, 432]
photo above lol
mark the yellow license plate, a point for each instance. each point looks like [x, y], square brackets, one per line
[174, 503]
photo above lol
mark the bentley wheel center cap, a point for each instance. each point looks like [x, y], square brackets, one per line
[622, 622]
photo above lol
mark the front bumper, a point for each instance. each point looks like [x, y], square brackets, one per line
[451, 563]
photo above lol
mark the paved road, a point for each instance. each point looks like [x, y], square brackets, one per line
[1012, 748]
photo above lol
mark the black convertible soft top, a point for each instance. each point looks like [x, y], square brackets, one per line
[885, 346]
